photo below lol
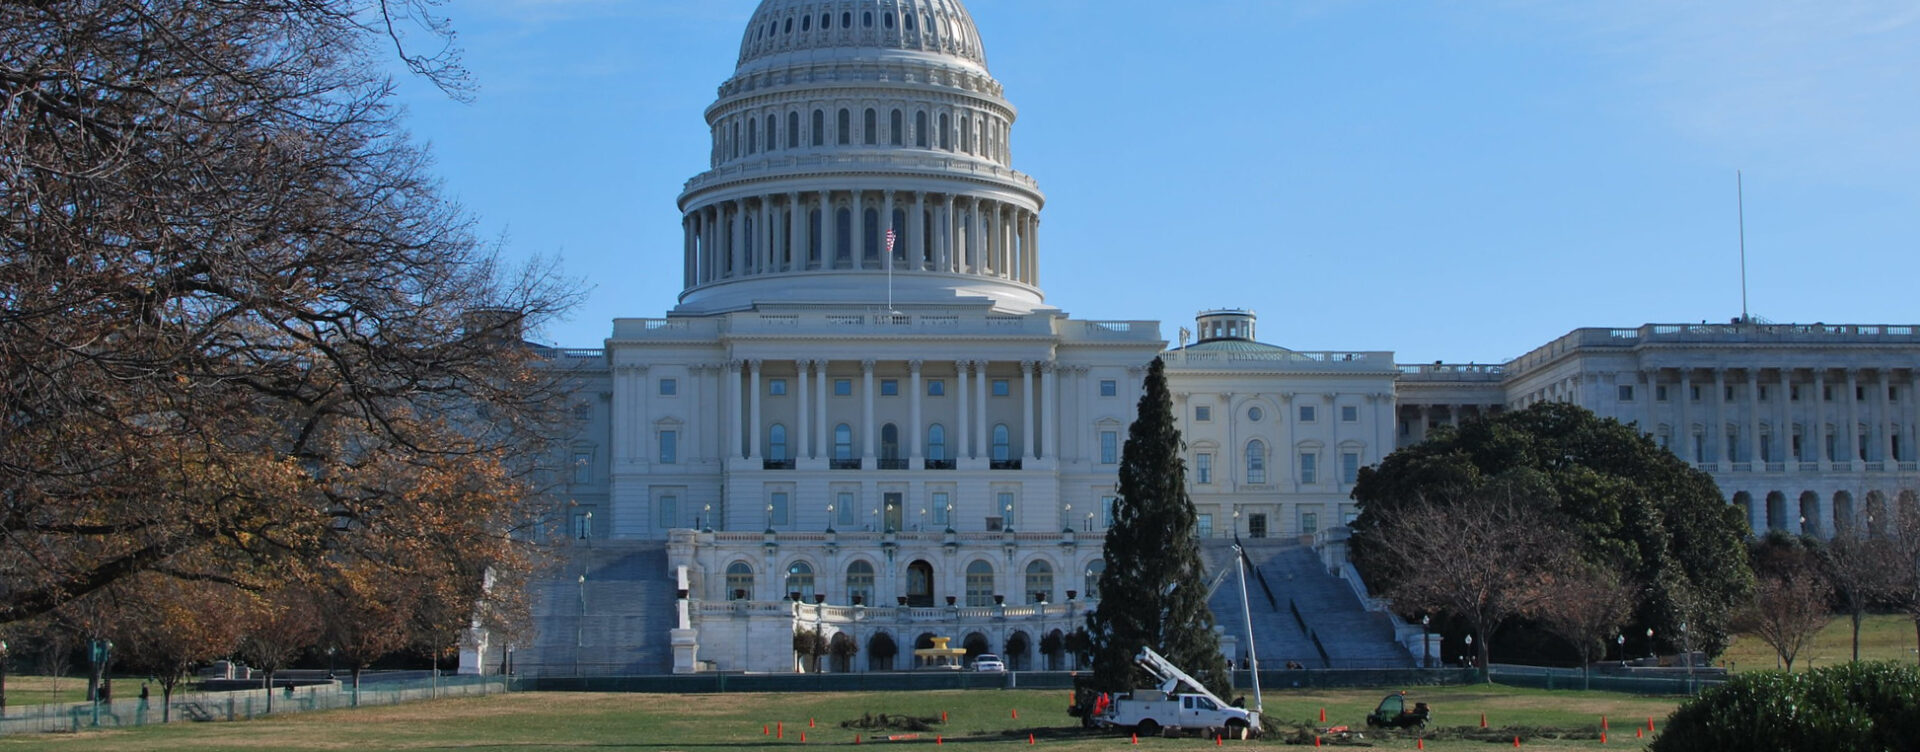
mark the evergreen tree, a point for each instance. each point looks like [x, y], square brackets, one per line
[1153, 592]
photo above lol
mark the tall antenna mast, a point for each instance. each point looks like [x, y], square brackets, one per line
[1739, 184]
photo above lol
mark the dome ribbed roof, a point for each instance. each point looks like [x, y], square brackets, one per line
[932, 26]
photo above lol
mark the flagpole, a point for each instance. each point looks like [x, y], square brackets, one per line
[890, 240]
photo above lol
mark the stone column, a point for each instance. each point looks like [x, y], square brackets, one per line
[1684, 433]
[689, 266]
[1033, 277]
[796, 232]
[763, 236]
[820, 422]
[730, 377]
[1049, 408]
[1719, 427]
[737, 239]
[858, 251]
[1650, 424]
[1026, 410]
[1913, 415]
[1853, 420]
[829, 245]
[805, 395]
[980, 411]
[1881, 398]
[1819, 436]
[753, 418]
[961, 420]
[866, 412]
[916, 427]
[945, 226]
[1753, 420]
[918, 232]
[1783, 421]
[996, 245]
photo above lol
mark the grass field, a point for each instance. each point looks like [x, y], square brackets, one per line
[1883, 637]
[975, 720]
[40, 690]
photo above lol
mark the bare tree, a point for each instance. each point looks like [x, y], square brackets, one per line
[1857, 567]
[1585, 604]
[1789, 610]
[1484, 561]
[1905, 564]
[279, 627]
[241, 334]
[164, 627]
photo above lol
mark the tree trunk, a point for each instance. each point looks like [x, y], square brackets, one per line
[1856, 634]
[166, 701]
[269, 692]
[356, 686]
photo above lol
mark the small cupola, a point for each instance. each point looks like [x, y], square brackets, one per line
[1225, 323]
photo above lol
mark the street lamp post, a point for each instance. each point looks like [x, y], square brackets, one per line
[706, 518]
[3, 678]
[1621, 640]
[1473, 658]
[580, 627]
[329, 663]
[1426, 642]
[1650, 644]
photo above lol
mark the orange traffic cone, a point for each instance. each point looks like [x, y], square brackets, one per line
[1516, 742]
[943, 716]
[809, 723]
[780, 730]
[1649, 723]
[1603, 723]
[1316, 742]
[1639, 734]
[1603, 737]
[803, 737]
[939, 740]
[766, 730]
[1016, 713]
[1323, 715]
[1216, 740]
[856, 739]
[1419, 744]
[1136, 738]
[1029, 740]
[1483, 720]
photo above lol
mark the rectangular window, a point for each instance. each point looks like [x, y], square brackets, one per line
[583, 525]
[1109, 448]
[1893, 394]
[1660, 393]
[1826, 394]
[669, 511]
[1349, 467]
[1859, 394]
[1349, 414]
[937, 388]
[1109, 388]
[1626, 392]
[582, 467]
[843, 387]
[1309, 523]
[1766, 449]
[777, 387]
[1693, 393]
[889, 387]
[669, 387]
[1793, 393]
[1309, 468]
[1763, 393]
[940, 508]
[669, 447]
[1001, 388]
[1833, 447]
[844, 510]
[1204, 526]
[1003, 506]
[778, 510]
[1307, 414]
[1106, 510]
[1203, 468]
[1202, 413]
[1728, 393]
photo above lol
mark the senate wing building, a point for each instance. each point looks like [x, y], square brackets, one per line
[862, 417]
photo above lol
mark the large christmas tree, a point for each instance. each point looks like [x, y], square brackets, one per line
[1153, 592]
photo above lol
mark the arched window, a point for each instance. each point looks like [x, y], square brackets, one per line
[843, 237]
[898, 132]
[909, 22]
[773, 133]
[793, 130]
[979, 584]
[777, 442]
[846, 127]
[860, 582]
[946, 131]
[866, 19]
[900, 227]
[889, 18]
[872, 123]
[936, 442]
[843, 442]
[800, 580]
[806, 23]
[889, 442]
[846, 20]
[1001, 445]
[1256, 461]
[1092, 584]
[733, 147]
[919, 127]
[819, 128]
[966, 135]
[739, 581]
[1039, 582]
[753, 136]
[789, 26]
[870, 236]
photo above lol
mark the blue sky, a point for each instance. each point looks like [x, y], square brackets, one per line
[1458, 181]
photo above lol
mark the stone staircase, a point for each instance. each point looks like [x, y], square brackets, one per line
[616, 623]
[1307, 603]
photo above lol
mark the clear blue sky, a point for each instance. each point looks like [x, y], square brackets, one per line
[1449, 180]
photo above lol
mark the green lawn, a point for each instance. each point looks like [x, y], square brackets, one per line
[975, 720]
[43, 690]
[1887, 637]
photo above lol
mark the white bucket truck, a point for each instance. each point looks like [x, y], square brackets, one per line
[1148, 711]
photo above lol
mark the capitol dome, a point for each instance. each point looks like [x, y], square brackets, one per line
[847, 127]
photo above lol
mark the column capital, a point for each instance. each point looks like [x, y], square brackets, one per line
[754, 363]
[1027, 366]
[963, 365]
[1048, 366]
[1136, 371]
[913, 366]
[734, 365]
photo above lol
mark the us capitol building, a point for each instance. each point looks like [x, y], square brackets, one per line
[863, 417]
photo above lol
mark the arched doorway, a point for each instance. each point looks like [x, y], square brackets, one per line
[979, 584]
[1813, 522]
[1053, 646]
[920, 585]
[1878, 523]
[1039, 582]
[976, 644]
[860, 583]
[842, 649]
[881, 650]
[1843, 511]
[1018, 647]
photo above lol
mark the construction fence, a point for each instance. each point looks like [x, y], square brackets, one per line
[238, 705]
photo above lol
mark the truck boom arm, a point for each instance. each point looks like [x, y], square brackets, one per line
[1171, 677]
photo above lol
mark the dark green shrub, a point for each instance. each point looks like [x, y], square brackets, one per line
[1873, 707]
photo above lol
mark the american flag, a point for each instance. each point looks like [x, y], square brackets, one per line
[889, 241]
